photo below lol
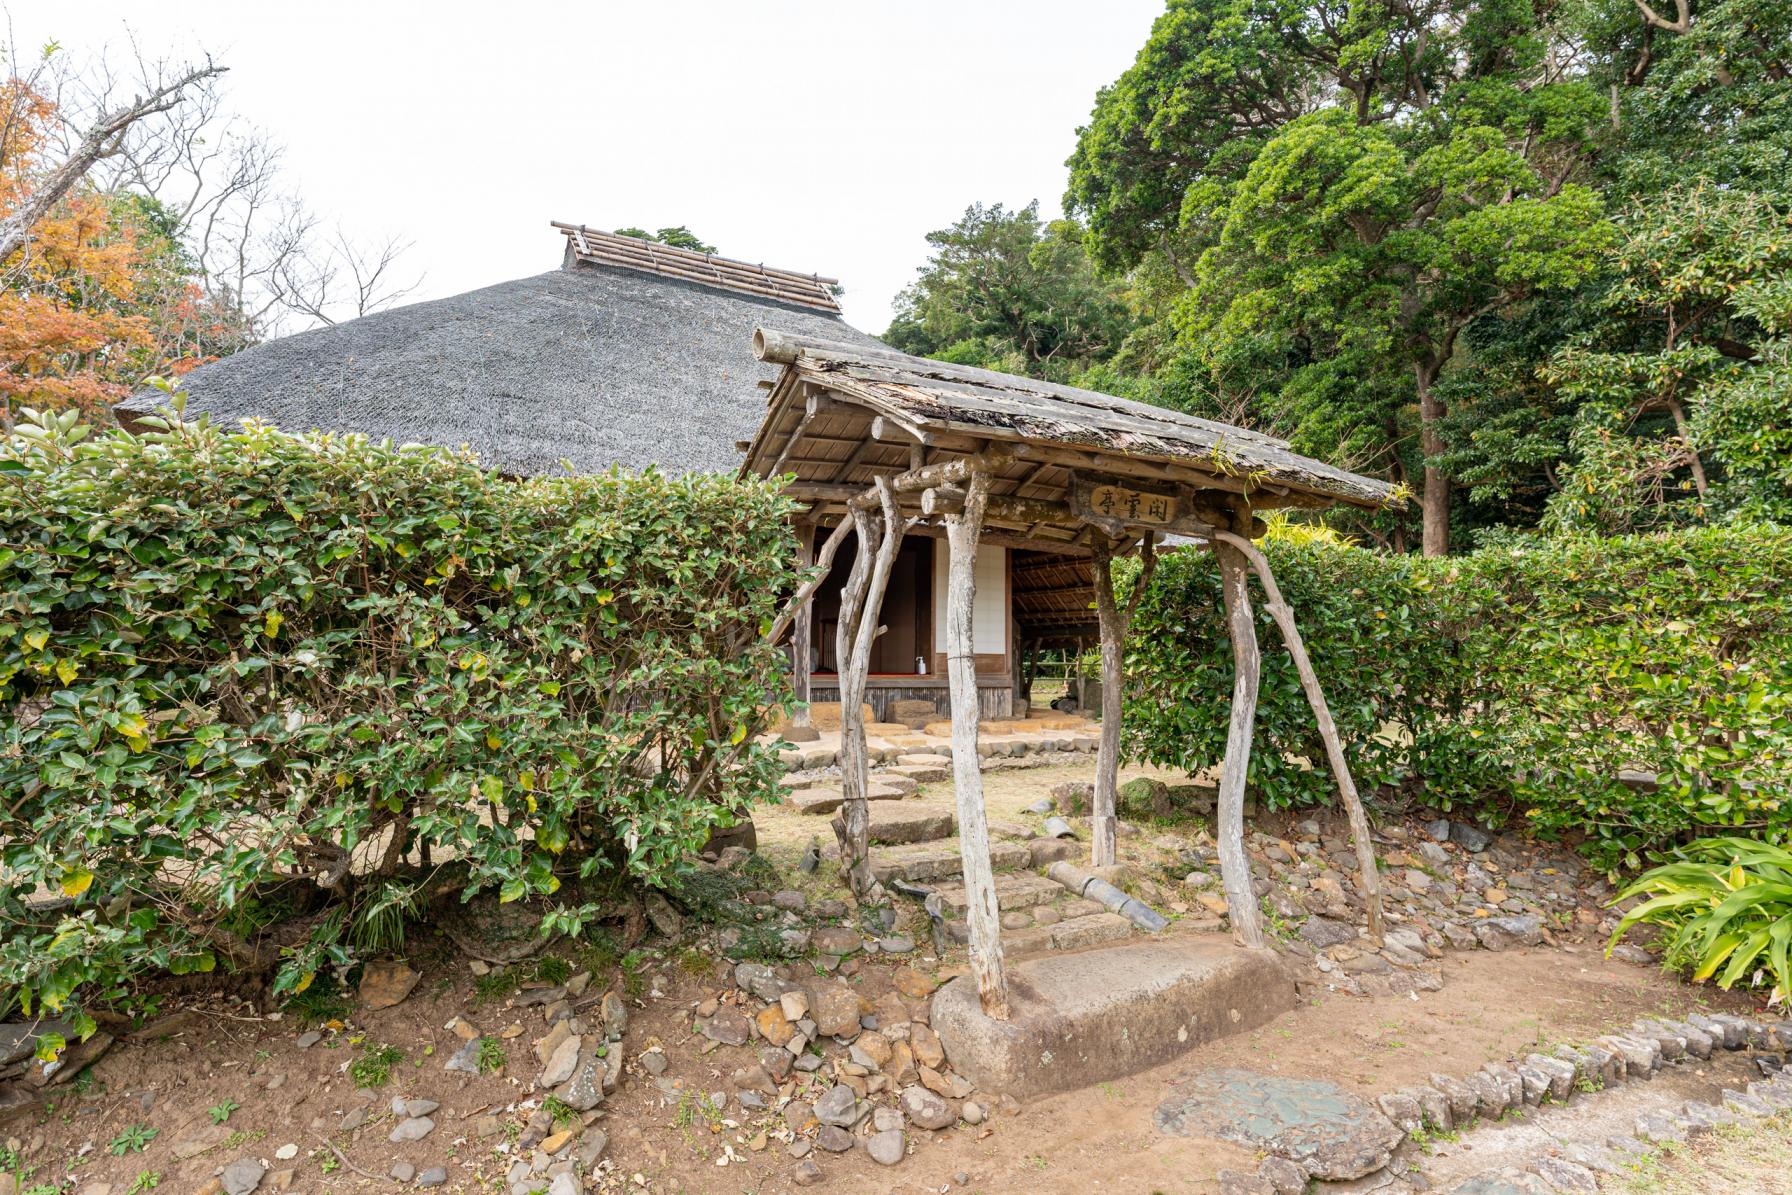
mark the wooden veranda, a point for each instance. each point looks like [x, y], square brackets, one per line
[881, 444]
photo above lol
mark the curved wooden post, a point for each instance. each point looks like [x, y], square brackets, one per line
[1114, 623]
[1235, 864]
[879, 533]
[963, 531]
[1283, 613]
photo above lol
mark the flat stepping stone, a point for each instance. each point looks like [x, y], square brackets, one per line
[940, 862]
[921, 773]
[910, 822]
[1012, 892]
[925, 759]
[820, 801]
[1337, 1136]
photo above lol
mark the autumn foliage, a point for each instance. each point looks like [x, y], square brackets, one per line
[98, 299]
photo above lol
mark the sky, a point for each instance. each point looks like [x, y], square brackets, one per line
[821, 137]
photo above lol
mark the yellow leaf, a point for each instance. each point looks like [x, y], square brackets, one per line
[492, 740]
[67, 671]
[274, 619]
[304, 982]
[35, 640]
[76, 882]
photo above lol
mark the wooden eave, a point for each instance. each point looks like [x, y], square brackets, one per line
[840, 417]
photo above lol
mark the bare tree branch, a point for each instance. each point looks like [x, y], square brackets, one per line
[103, 139]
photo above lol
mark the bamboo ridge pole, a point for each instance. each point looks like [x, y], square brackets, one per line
[1235, 865]
[1283, 613]
[963, 531]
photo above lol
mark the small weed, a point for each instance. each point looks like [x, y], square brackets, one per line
[221, 1112]
[494, 986]
[146, 1180]
[320, 1003]
[242, 1137]
[553, 969]
[490, 1058]
[1112, 1091]
[85, 1080]
[1037, 1161]
[694, 963]
[562, 1112]
[1588, 1084]
[131, 1139]
[634, 980]
[374, 1067]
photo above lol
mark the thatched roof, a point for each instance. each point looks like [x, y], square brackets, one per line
[598, 365]
[844, 414]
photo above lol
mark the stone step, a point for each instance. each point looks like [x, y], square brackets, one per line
[931, 861]
[1070, 934]
[819, 801]
[1012, 892]
[920, 773]
[913, 821]
[926, 759]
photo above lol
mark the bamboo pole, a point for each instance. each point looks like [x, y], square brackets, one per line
[1235, 864]
[1283, 613]
[963, 530]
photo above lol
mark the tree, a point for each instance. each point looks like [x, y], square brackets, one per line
[1003, 289]
[1344, 190]
[1685, 388]
[679, 237]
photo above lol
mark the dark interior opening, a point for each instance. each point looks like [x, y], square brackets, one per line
[907, 611]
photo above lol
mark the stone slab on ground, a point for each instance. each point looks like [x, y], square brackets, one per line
[913, 821]
[1012, 892]
[818, 802]
[1337, 1136]
[1081, 1019]
[937, 862]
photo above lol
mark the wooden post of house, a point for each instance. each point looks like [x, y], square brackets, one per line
[801, 635]
[963, 531]
[1235, 864]
[1283, 613]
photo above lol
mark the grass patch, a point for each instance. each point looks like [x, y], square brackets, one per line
[374, 1067]
[1734, 1160]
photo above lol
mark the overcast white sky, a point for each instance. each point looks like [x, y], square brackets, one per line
[825, 137]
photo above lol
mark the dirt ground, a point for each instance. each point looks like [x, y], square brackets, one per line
[248, 1065]
[1756, 1160]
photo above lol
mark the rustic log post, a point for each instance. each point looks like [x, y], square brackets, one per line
[1283, 613]
[1235, 864]
[1114, 622]
[963, 530]
[879, 533]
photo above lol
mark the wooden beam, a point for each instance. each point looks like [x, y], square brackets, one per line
[1283, 614]
[861, 602]
[1113, 621]
[1235, 864]
[963, 531]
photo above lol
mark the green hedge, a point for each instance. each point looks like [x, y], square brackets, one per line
[251, 682]
[1516, 681]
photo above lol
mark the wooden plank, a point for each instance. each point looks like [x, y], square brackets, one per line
[963, 531]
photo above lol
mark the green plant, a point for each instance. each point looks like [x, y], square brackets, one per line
[133, 1138]
[563, 1114]
[1726, 910]
[490, 1057]
[343, 642]
[220, 1112]
[374, 1067]
[1532, 681]
[146, 1180]
[551, 968]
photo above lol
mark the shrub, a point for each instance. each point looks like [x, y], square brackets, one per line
[251, 682]
[1516, 680]
[1726, 910]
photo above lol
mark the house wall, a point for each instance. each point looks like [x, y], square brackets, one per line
[989, 612]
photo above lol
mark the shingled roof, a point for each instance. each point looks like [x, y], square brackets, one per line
[596, 364]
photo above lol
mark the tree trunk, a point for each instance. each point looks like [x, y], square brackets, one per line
[1435, 502]
[1283, 613]
[1235, 864]
[1684, 431]
[963, 531]
[879, 536]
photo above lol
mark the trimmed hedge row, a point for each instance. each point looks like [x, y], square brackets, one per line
[1515, 681]
[261, 694]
